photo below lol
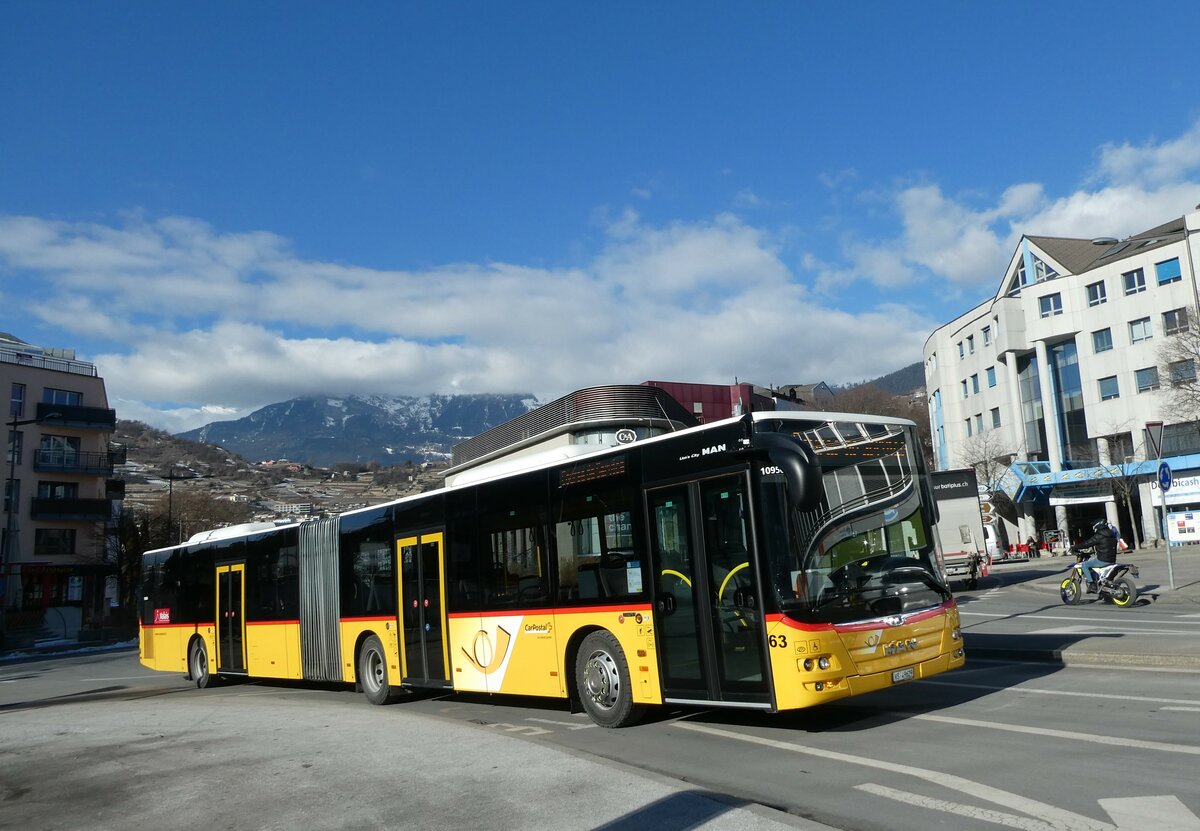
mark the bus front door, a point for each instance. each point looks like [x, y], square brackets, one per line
[424, 652]
[231, 622]
[707, 593]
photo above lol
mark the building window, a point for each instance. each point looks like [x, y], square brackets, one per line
[978, 422]
[1168, 271]
[1050, 305]
[61, 398]
[1102, 340]
[1139, 330]
[969, 433]
[1096, 294]
[1146, 379]
[1182, 372]
[975, 384]
[970, 344]
[53, 541]
[1175, 321]
[991, 376]
[1135, 281]
[1108, 388]
[16, 407]
[961, 354]
[995, 417]
[987, 335]
[932, 361]
[16, 439]
[964, 386]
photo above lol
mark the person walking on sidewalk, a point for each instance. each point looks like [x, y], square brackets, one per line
[1104, 551]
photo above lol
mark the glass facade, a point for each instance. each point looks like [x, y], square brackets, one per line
[1031, 408]
[1072, 424]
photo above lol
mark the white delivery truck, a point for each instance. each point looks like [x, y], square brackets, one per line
[962, 542]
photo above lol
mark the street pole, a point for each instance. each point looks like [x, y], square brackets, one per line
[10, 506]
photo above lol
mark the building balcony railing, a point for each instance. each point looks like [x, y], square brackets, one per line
[88, 418]
[58, 364]
[63, 460]
[77, 510]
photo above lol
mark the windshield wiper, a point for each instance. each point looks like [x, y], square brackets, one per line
[925, 577]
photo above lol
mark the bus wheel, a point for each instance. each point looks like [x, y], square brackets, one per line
[602, 678]
[198, 664]
[373, 672]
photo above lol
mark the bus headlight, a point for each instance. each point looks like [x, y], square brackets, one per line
[808, 664]
[956, 634]
[823, 662]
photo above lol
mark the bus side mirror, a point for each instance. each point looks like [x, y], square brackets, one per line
[799, 466]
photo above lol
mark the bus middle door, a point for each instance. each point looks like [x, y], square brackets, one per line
[708, 606]
[425, 656]
[231, 619]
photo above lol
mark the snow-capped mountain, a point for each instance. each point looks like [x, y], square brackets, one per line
[387, 429]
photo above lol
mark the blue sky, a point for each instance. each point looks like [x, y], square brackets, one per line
[229, 204]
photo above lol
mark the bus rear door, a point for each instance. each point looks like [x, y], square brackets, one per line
[707, 593]
[424, 648]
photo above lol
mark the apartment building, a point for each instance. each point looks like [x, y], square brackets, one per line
[58, 491]
[1053, 380]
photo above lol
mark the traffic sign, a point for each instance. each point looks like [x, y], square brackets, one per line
[985, 508]
[1165, 480]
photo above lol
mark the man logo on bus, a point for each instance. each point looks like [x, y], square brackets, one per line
[483, 656]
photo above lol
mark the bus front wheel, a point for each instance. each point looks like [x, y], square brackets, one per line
[198, 664]
[373, 672]
[602, 679]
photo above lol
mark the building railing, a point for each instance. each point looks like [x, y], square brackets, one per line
[78, 510]
[12, 356]
[65, 460]
[96, 418]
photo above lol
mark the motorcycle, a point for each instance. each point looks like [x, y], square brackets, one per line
[1114, 582]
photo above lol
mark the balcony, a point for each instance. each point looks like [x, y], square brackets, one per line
[65, 460]
[87, 418]
[70, 510]
[114, 488]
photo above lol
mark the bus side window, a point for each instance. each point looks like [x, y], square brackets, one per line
[594, 537]
[512, 536]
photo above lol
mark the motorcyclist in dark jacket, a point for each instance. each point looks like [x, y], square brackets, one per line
[1104, 547]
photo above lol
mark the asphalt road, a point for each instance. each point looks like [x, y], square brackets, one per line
[99, 742]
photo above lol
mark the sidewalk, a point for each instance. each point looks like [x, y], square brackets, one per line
[1160, 583]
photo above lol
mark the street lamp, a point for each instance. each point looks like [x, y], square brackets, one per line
[10, 504]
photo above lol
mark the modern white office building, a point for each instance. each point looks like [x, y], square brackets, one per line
[1054, 379]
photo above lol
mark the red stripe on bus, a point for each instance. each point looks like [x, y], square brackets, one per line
[175, 625]
[365, 619]
[556, 610]
[860, 625]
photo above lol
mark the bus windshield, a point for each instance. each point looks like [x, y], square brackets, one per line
[867, 548]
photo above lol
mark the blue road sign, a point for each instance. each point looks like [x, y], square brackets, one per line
[1164, 477]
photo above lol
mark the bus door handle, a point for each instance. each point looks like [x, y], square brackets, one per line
[666, 604]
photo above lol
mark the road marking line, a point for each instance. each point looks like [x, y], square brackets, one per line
[1077, 619]
[567, 724]
[1182, 709]
[1151, 813]
[1056, 817]
[1072, 694]
[984, 814]
[1101, 630]
[1186, 749]
[127, 677]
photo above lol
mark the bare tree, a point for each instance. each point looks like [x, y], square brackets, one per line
[1178, 358]
[990, 456]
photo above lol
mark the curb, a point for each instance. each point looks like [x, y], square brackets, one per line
[45, 653]
[1080, 657]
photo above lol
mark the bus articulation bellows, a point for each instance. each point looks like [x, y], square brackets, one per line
[773, 561]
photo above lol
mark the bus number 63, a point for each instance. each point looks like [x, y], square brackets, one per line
[777, 640]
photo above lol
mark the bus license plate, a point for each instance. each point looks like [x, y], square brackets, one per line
[905, 674]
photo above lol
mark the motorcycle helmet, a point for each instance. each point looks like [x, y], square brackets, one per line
[1100, 523]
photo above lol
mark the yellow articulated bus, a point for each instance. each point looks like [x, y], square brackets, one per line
[771, 561]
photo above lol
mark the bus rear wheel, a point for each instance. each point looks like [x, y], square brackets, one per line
[198, 664]
[602, 679]
[373, 672]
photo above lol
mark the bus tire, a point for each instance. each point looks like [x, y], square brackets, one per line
[198, 667]
[602, 679]
[373, 672]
